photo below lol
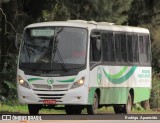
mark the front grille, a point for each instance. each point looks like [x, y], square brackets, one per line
[61, 86]
[47, 87]
[40, 86]
[50, 96]
[50, 90]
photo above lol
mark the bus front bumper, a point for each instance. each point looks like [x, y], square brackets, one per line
[72, 96]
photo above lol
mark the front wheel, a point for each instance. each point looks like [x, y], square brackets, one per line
[93, 109]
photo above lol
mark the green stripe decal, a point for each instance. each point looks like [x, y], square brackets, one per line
[34, 79]
[68, 80]
[115, 80]
[120, 73]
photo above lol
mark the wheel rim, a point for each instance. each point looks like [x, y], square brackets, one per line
[129, 105]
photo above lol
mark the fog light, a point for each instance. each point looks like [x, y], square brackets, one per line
[79, 97]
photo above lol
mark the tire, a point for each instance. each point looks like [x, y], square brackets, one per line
[128, 107]
[33, 109]
[72, 109]
[124, 109]
[93, 109]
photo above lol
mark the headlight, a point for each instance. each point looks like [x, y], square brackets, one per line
[78, 83]
[23, 83]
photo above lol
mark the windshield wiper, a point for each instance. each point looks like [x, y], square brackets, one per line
[56, 50]
[40, 60]
[25, 47]
[62, 61]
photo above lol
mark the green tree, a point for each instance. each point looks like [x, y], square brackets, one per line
[115, 11]
[58, 11]
[140, 12]
[16, 14]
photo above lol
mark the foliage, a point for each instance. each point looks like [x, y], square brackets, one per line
[137, 107]
[145, 13]
[140, 12]
[98, 10]
[58, 12]
[8, 78]
[115, 11]
[155, 93]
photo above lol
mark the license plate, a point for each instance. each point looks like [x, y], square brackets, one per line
[49, 101]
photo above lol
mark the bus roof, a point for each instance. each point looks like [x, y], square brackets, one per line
[92, 25]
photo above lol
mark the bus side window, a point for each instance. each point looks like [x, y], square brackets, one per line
[108, 47]
[143, 44]
[123, 48]
[95, 48]
[130, 50]
[118, 47]
[135, 48]
[147, 40]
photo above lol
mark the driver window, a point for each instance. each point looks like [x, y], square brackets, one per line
[95, 47]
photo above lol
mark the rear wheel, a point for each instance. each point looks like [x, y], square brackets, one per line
[128, 107]
[33, 109]
[93, 109]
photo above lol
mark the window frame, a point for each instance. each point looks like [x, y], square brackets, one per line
[122, 63]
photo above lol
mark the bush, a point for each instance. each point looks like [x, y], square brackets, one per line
[155, 92]
[8, 89]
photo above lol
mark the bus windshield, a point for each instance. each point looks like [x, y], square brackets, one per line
[54, 48]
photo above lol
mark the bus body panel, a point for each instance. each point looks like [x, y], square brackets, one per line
[115, 83]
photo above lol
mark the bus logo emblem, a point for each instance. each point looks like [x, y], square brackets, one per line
[50, 81]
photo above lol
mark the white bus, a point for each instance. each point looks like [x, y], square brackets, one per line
[84, 64]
